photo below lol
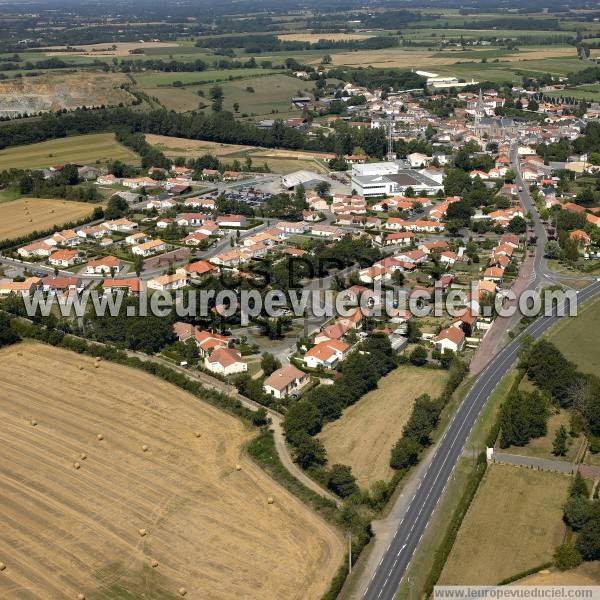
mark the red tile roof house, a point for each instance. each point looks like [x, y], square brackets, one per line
[285, 381]
[451, 338]
[326, 354]
[225, 361]
[200, 269]
[130, 286]
[103, 266]
[332, 332]
[209, 342]
[63, 258]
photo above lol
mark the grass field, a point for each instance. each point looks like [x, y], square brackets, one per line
[82, 149]
[364, 435]
[542, 447]
[513, 524]
[579, 337]
[273, 92]
[68, 531]
[152, 80]
[26, 215]
[586, 574]
[315, 37]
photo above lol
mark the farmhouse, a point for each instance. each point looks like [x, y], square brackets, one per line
[285, 381]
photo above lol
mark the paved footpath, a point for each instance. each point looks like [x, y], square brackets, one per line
[545, 464]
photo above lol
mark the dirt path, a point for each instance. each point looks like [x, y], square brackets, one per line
[276, 421]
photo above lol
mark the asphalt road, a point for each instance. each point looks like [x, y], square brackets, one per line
[396, 559]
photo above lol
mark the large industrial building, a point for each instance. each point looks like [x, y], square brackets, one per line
[389, 178]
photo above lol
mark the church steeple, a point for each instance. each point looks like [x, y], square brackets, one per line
[480, 108]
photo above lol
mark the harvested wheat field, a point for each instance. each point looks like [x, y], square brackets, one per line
[364, 435]
[26, 215]
[115, 484]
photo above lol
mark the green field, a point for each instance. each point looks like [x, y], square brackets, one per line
[83, 149]
[270, 93]
[579, 337]
[583, 92]
[152, 79]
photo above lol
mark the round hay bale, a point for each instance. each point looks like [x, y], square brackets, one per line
[144, 448]
[100, 437]
[81, 367]
[31, 220]
[198, 434]
[96, 366]
[98, 358]
[154, 564]
[19, 353]
[76, 465]
[80, 597]
[33, 422]
[238, 467]
[2, 566]
[270, 500]
[182, 591]
[83, 456]
[142, 532]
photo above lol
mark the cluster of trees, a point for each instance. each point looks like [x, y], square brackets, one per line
[582, 515]
[380, 78]
[359, 374]
[548, 368]
[148, 333]
[523, 417]
[151, 157]
[63, 184]
[559, 151]
[257, 44]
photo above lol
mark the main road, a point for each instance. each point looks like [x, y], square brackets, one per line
[396, 559]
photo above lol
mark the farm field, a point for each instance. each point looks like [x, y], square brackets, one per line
[279, 161]
[207, 525]
[177, 99]
[579, 337]
[585, 92]
[586, 574]
[514, 523]
[315, 37]
[152, 80]
[106, 49]
[270, 93]
[364, 435]
[88, 149]
[26, 215]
